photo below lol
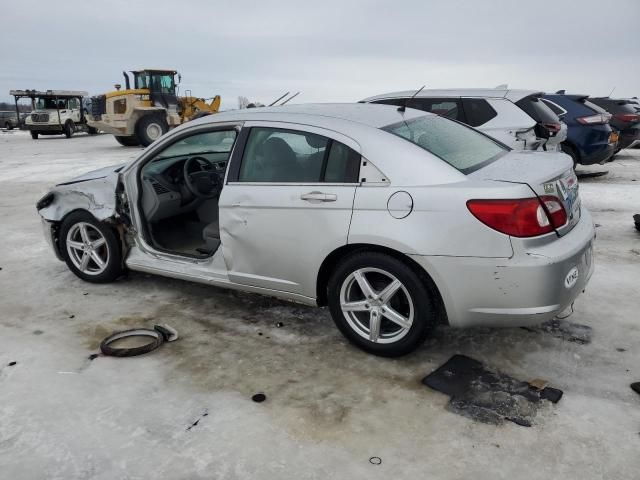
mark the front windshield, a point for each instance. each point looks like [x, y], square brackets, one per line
[460, 146]
[199, 144]
[51, 103]
[156, 82]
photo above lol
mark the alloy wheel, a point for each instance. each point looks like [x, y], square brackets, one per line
[87, 248]
[376, 305]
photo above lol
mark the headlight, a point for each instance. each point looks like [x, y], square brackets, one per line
[45, 201]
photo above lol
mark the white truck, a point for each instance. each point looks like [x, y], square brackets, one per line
[54, 112]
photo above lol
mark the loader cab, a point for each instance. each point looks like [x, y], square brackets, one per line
[161, 85]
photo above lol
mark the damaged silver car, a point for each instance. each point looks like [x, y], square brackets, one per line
[395, 218]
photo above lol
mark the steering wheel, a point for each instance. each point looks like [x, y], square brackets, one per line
[203, 183]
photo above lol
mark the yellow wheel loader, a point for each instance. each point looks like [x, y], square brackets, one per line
[142, 114]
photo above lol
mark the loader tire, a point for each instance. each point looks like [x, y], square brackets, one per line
[128, 141]
[149, 128]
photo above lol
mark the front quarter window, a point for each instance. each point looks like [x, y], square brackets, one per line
[460, 146]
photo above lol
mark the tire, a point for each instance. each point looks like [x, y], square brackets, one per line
[413, 300]
[100, 236]
[34, 135]
[131, 141]
[92, 131]
[69, 128]
[8, 126]
[149, 128]
[569, 150]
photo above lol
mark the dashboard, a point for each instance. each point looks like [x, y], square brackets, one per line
[164, 192]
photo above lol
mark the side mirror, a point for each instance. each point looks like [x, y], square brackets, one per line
[179, 78]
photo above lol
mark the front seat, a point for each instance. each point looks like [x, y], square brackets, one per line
[279, 161]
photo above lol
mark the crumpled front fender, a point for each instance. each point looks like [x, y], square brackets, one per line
[97, 196]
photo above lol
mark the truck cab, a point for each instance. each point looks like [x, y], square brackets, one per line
[54, 112]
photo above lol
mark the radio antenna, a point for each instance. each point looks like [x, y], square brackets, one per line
[278, 99]
[290, 98]
[402, 108]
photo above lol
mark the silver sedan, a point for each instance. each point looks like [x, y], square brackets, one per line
[395, 219]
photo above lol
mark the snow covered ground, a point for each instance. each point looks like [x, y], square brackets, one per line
[329, 407]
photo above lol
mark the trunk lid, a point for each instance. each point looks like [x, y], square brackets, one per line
[546, 173]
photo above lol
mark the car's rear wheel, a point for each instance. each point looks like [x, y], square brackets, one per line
[90, 248]
[380, 304]
[128, 141]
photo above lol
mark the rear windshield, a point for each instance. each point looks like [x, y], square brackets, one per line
[460, 146]
[537, 110]
[593, 106]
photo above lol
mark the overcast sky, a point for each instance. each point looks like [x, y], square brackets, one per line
[329, 50]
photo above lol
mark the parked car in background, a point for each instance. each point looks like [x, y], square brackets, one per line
[625, 119]
[590, 138]
[281, 201]
[514, 117]
[8, 119]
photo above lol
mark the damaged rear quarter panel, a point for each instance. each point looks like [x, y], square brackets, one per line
[97, 196]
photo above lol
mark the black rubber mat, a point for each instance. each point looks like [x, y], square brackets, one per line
[485, 395]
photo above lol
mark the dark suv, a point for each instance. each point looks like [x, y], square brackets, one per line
[625, 119]
[590, 138]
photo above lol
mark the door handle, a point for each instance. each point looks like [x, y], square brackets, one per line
[317, 197]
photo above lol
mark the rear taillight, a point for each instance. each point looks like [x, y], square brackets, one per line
[597, 119]
[627, 117]
[522, 217]
[552, 127]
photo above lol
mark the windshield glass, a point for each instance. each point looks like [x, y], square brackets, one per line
[460, 146]
[51, 103]
[156, 82]
[537, 110]
[203, 143]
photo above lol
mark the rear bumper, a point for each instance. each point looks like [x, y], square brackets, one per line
[533, 286]
[628, 137]
[599, 154]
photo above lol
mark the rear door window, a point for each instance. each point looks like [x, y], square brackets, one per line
[291, 156]
[477, 111]
[445, 107]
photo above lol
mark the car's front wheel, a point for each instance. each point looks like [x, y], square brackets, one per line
[90, 248]
[381, 304]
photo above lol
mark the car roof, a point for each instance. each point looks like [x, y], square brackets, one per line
[347, 116]
[512, 94]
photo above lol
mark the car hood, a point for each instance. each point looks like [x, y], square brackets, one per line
[95, 174]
